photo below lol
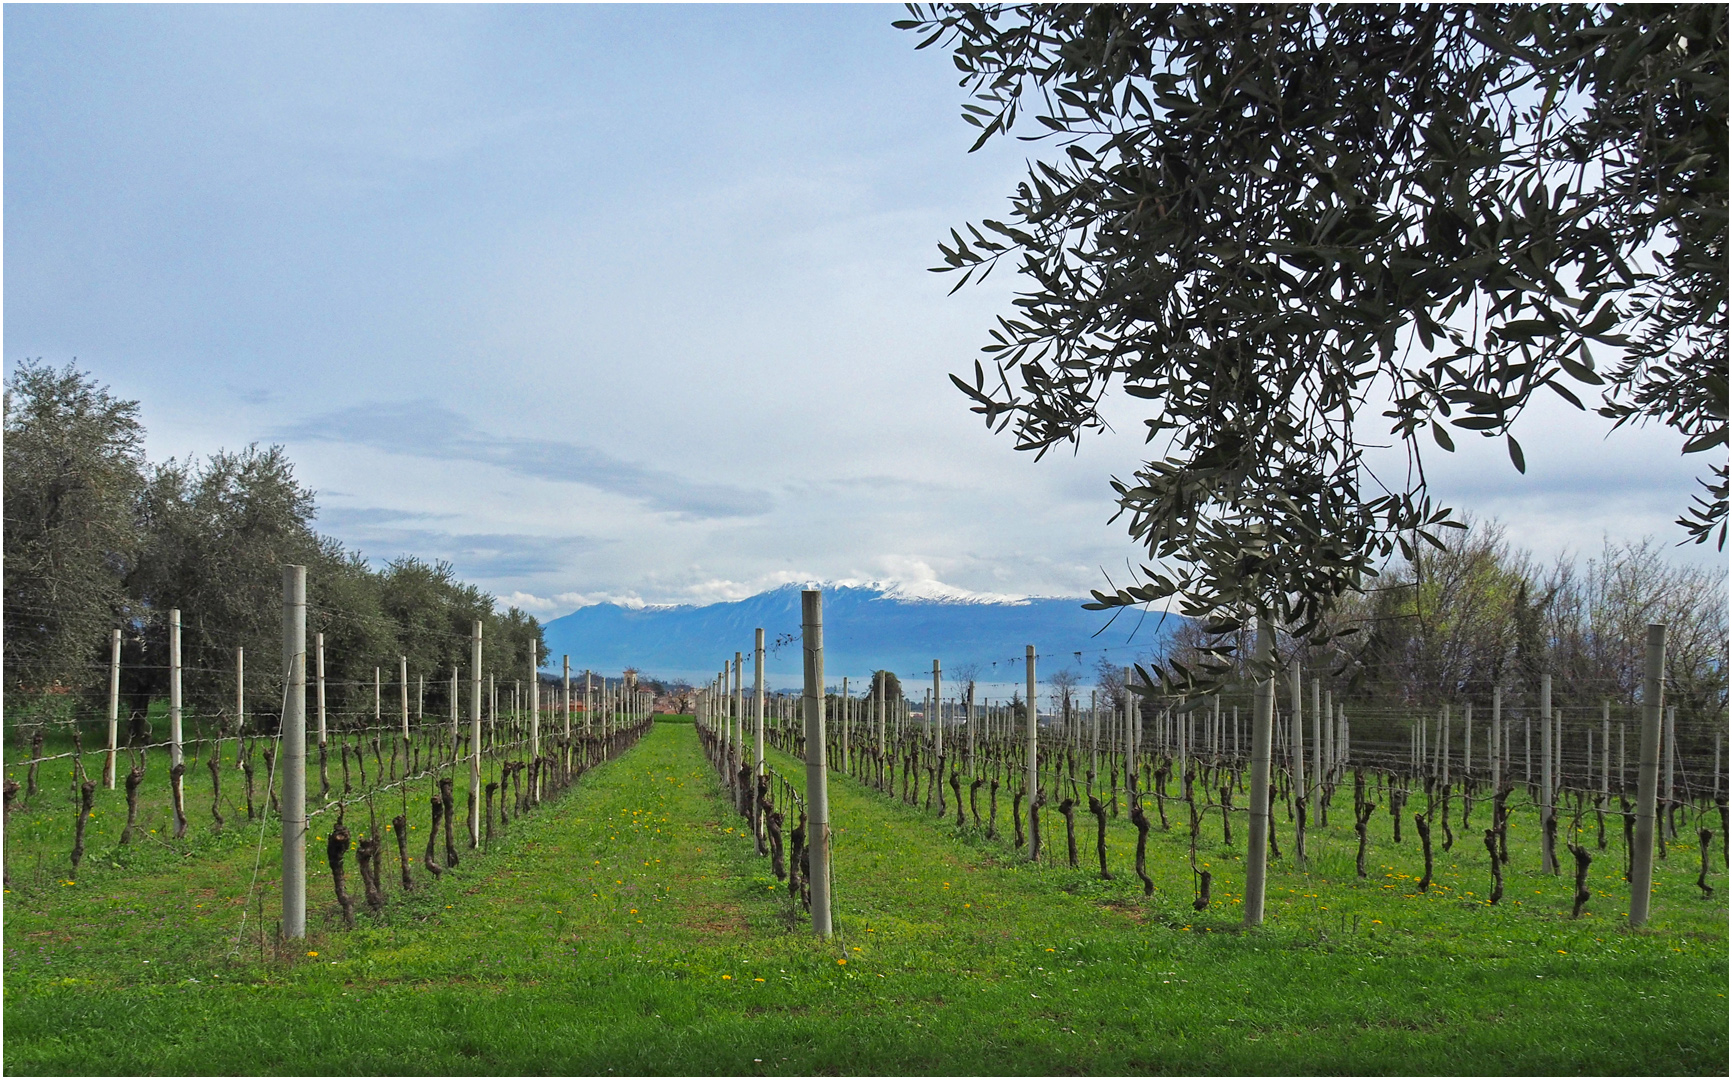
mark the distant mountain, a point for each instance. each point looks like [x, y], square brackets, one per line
[864, 629]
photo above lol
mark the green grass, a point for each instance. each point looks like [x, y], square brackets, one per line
[629, 928]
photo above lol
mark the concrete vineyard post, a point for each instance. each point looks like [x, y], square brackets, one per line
[1467, 744]
[240, 699]
[971, 725]
[1647, 775]
[1668, 737]
[174, 687]
[1547, 863]
[113, 708]
[294, 797]
[937, 716]
[1329, 732]
[1606, 753]
[1129, 748]
[817, 789]
[588, 689]
[475, 735]
[1262, 738]
[738, 720]
[565, 704]
[1443, 745]
[878, 709]
[319, 645]
[454, 712]
[1033, 781]
[1317, 765]
[1296, 757]
[757, 707]
[403, 705]
[534, 721]
[1094, 737]
[720, 683]
[1497, 743]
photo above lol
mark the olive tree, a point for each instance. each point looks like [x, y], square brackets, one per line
[1293, 232]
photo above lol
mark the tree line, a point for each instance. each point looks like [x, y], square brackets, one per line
[1451, 625]
[98, 538]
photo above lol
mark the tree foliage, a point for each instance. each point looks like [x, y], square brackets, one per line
[97, 538]
[74, 470]
[1267, 220]
[1482, 614]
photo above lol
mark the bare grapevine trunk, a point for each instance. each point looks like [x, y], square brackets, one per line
[336, 852]
[1099, 810]
[1424, 828]
[216, 789]
[400, 826]
[1141, 821]
[134, 777]
[1067, 807]
[430, 858]
[178, 798]
[87, 797]
[450, 800]
[1583, 895]
[1496, 866]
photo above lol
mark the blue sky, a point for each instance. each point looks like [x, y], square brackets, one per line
[597, 302]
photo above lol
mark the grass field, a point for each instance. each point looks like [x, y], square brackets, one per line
[628, 928]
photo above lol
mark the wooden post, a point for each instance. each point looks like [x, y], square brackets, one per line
[1548, 865]
[475, 735]
[294, 797]
[113, 708]
[1648, 775]
[817, 781]
[1262, 740]
[1033, 781]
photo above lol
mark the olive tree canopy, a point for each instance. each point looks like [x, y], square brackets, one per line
[1296, 232]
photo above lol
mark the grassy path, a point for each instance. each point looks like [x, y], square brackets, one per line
[629, 929]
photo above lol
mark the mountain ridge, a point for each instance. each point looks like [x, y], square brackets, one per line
[865, 628]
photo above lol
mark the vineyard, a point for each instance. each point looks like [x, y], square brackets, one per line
[992, 890]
